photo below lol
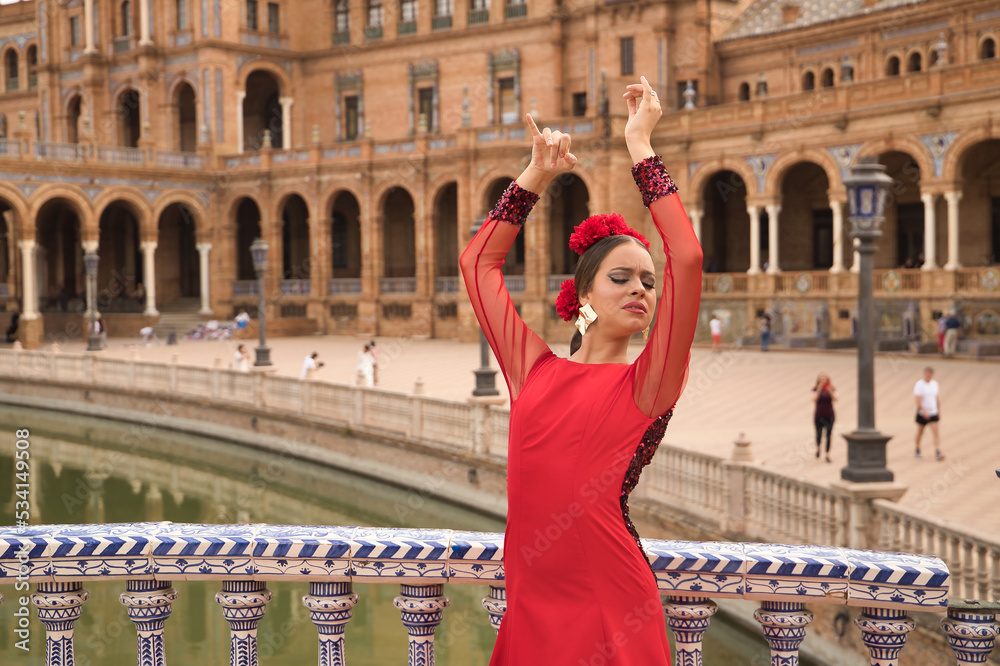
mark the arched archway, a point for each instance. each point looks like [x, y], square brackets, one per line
[979, 212]
[903, 229]
[185, 119]
[129, 118]
[32, 56]
[345, 237]
[247, 231]
[121, 262]
[262, 111]
[178, 270]
[806, 240]
[569, 207]
[398, 235]
[295, 261]
[892, 66]
[915, 62]
[61, 276]
[828, 78]
[73, 112]
[744, 92]
[446, 233]
[988, 49]
[514, 263]
[809, 81]
[11, 68]
[725, 227]
[6, 245]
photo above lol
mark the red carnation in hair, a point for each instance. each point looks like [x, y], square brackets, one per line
[567, 303]
[597, 227]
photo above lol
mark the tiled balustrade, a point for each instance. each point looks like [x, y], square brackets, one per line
[59, 559]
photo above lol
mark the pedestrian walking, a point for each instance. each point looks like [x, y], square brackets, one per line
[366, 367]
[824, 395]
[942, 322]
[241, 359]
[148, 333]
[242, 319]
[927, 394]
[765, 331]
[715, 326]
[373, 349]
[310, 365]
[952, 325]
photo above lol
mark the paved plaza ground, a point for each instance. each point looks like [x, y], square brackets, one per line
[764, 395]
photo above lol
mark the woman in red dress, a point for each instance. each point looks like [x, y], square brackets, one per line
[580, 591]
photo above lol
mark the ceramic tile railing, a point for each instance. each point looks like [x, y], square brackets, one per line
[59, 559]
[741, 500]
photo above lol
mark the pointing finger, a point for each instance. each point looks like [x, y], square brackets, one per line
[530, 122]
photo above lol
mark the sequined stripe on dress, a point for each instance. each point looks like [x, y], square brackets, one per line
[643, 456]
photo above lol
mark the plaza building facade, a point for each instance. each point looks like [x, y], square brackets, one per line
[363, 139]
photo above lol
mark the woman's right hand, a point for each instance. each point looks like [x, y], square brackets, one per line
[643, 113]
[550, 155]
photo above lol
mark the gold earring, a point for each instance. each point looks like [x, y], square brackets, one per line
[645, 334]
[587, 317]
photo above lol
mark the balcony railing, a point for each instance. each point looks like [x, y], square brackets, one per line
[10, 148]
[60, 559]
[479, 16]
[122, 45]
[512, 12]
[406, 28]
[179, 160]
[446, 285]
[296, 287]
[64, 152]
[515, 283]
[405, 285]
[554, 282]
[341, 38]
[4, 290]
[244, 287]
[373, 32]
[13, 84]
[121, 155]
[441, 22]
[336, 286]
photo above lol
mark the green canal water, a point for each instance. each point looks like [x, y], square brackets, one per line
[92, 470]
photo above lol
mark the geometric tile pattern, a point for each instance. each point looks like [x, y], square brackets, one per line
[171, 551]
[766, 17]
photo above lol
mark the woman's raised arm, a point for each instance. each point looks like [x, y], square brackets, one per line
[516, 347]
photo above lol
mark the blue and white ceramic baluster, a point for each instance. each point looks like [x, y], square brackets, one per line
[243, 604]
[330, 608]
[971, 634]
[59, 607]
[883, 631]
[688, 618]
[784, 626]
[421, 607]
[496, 605]
[149, 605]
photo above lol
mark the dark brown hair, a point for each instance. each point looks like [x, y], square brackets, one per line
[586, 271]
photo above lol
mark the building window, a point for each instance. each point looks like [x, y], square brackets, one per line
[425, 108]
[828, 78]
[273, 18]
[408, 11]
[351, 117]
[74, 30]
[32, 66]
[508, 102]
[252, 15]
[809, 82]
[580, 104]
[375, 14]
[892, 66]
[444, 7]
[126, 14]
[10, 62]
[628, 56]
[744, 92]
[480, 5]
[988, 50]
[915, 62]
[182, 14]
[343, 16]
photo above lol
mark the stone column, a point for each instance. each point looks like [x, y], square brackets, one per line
[149, 605]
[243, 604]
[953, 199]
[884, 634]
[286, 122]
[29, 279]
[784, 626]
[203, 274]
[496, 605]
[240, 96]
[696, 216]
[838, 236]
[149, 276]
[59, 605]
[773, 213]
[421, 607]
[688, 617]
[330, 608]
[930, 231]
[754, 212]
[972, 633]
[144, 38]
[88, 27]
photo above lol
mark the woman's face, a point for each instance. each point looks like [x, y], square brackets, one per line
[624, 291]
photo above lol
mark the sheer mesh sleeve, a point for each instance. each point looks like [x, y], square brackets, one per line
[516, 347]
[661, 369]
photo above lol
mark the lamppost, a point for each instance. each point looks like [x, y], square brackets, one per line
[867, 192]
[258, 250]
[485, 375]
[90, 260]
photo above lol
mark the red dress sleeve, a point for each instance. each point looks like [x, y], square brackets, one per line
[516, 346]
[661, 369]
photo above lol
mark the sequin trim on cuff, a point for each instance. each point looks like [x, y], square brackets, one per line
[514, 205]
[642, 457]
[653, 180]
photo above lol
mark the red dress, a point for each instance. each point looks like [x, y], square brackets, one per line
[579, 589]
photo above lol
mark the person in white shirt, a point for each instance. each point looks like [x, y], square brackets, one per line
[241, 359]
[310, 365]
[366, 367]
[242, 319]
[715, 326]
[926, 393]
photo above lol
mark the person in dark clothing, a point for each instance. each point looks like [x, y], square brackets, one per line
[824, 395]
[952, 326]
[15, 320]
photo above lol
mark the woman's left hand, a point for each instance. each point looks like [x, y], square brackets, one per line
[643, 113]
